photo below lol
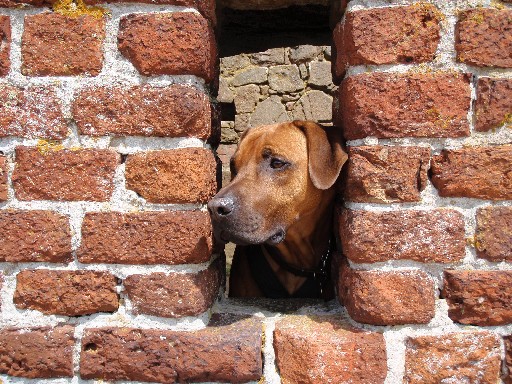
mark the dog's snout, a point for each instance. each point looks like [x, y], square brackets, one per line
[221, 206]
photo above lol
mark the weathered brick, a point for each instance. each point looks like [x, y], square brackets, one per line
[34, 112]
[507, 375]
[387, 35]
[376, 297]
[426, 236]
[478, 172]
[22, 3]
[34, 236]
[146, 238]
[323, 349]
[493, 237]
[225, 353]
[179, 43]
[5, 48]
[3, 178]
[58, 45]
[175, 294]
[184, 175]
[206, 7]
[493, 106]
[62, 174]
[69, 293]
[173, 111]
[389, 105]
[465, 357]
[38, 352]
[383, 174]
[484, 37]
[479, 297]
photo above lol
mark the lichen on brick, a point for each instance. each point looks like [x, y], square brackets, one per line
[76, 8]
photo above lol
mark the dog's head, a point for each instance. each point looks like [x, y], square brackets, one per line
[279, 173]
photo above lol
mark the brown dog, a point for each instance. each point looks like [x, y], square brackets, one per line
[278, 209]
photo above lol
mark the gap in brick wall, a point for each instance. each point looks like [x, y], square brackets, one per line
[257, 49]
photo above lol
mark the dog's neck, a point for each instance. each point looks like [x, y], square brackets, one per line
[305, 243]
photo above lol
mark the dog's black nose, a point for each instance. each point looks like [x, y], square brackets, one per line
[221, 206]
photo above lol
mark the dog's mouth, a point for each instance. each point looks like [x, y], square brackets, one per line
[276, 238]
[227, 236]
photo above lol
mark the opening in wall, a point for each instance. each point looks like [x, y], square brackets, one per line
[275, 66]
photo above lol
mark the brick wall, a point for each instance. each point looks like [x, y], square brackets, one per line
[424, 102]
[109, 270]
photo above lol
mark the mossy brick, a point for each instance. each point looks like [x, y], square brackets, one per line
[387, 36]
[206, 7]
[54, 173]
[393, 105]
[58, 45]
[179, 43]
[484, 37]
[172, 111]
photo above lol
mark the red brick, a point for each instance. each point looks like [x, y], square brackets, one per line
[376, 297]
[68, 293]
[225, 353]
[507, 375]
[381, 174]
[62, 174]
[389, 105]
[206, 7]
[5, 47]
[3, 178]
[484, 37]
[146, 238]
[34, 236]
[57, 45]
[37, 353]
[387, 35]
[175, 294]
[425, 236]
[493, 237]
[180, 43]
[22, 3]
[174, 111]
[465, 357]
[493, 106]
[34, 112]
[478, 172]
[322, 349]
[479, 297]
[179, 176]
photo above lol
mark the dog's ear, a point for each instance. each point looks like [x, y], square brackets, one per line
[325, 152]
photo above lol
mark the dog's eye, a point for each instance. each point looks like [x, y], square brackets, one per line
[277, 163]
